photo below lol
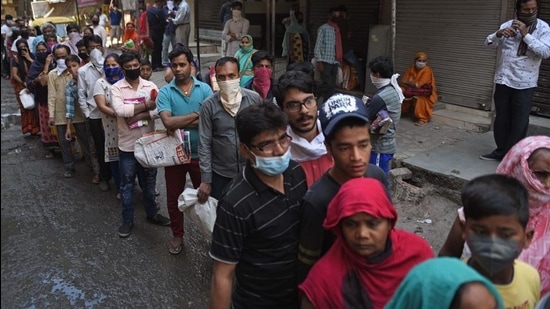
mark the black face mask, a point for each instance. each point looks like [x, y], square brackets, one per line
[95, 22]
[83, 56]
[41, 56]
[132, 74]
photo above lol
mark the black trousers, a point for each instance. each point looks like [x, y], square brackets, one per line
[156, 56]
[512, 108]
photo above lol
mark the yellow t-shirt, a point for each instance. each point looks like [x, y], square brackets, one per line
[524, 290]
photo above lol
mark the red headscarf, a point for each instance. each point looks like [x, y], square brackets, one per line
[342, 278]
[515, 164]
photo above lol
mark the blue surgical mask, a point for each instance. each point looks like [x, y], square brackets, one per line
[272, 166]
[113, 75]
[493, 254]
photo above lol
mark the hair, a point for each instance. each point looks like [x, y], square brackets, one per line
[457, 299]
[261, 55]
[292, 79]
[112, 55]
[347, 123]
[127, 57]
[61, 46]
[88, 28]
[46, 26]
[93, 38]
[258, 118]
[22, 41]
[45, 45]
[71, 27]
[334, 9]
[236, 5]
[520, 2]
[80, 44]
[304, 66]
[223, 60]
[494, 195]
[72, 58]
[9, 17]
[144, 61]
[181, 50]
[382, 65]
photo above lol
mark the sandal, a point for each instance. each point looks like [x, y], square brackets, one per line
[175, 249]
[95, 180]
[420, 123]
[49, 155]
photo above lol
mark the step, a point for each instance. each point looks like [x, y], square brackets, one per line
[469, 110]
[539, 125]
[462, 120]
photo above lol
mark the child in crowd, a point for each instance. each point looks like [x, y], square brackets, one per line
[497, 210]
[370, 258]
[146, 70]
[445, 283]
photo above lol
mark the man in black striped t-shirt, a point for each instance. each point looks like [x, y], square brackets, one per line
[256, 233]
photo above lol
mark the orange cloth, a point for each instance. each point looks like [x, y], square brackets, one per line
[423, 105]
[316, 168]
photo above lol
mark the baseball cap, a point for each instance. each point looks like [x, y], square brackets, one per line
[338, 108]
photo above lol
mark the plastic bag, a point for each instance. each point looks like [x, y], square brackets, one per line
[159, 149]
[203, 215]
[27, 98]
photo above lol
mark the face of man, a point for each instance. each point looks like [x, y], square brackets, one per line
[301, 117]
[528, 7]
[264, 64]
[181, 68]
[227, 71]
[60, 53]
[350, 148]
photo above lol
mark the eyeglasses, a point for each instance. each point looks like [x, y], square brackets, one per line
[269, 147]
[296, 106]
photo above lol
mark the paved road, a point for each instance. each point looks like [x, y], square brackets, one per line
[60, 246]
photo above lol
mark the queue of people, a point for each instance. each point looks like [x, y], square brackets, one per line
[305, 218]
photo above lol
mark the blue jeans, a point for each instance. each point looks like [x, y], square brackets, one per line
[166, 41]
[147, 177]
[382, 160]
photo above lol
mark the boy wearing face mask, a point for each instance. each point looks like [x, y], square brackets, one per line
[234, 29]
[258, 218]
[87, 77]
[496, 208]
[220, 160]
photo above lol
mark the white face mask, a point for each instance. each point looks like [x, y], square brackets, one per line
[230, 95]
[379, 82]
[420, 65]
[97, 58]
[61, 66]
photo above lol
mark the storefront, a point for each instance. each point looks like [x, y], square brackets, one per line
[541, 99]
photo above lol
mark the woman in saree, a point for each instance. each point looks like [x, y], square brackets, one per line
[244, 56]
[20, 64]
[37, 83]
[418, 85]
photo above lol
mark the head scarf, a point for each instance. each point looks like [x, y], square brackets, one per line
[515, 164]
[420, 54]
[434, 283]
[130, 34]
[343, 279]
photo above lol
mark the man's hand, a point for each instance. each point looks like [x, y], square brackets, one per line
[507, 32]
[51, 122]
[203, 192]
[518, 25]
[68, 134]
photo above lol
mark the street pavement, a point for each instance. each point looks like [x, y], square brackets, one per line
[60, 246]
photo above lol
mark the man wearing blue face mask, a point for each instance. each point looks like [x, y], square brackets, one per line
[258, 218]
[496, 208]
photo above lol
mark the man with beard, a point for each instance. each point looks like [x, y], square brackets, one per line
[221, 160]
[347, 138]
[295, 97]
[179, 104]
[524, 42]
[133, 100]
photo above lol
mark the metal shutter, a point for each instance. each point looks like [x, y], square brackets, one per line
[541, 98]
[209, 11]
[452, 33]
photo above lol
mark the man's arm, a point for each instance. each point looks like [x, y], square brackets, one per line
[539, 45]
[311, 239]
[51, 95]
[205, 151]
[82, 91]
[222, 285]
[170, 121]
[374, 106]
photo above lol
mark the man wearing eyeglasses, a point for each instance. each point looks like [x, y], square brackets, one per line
[294, 95]
[255, 236]
[345, 127]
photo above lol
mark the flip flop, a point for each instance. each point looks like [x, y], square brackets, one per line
[420, 123]
[175, 250]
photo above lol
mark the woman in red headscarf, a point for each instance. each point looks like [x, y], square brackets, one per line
[130, 39]
[370, 258]
[418, 85]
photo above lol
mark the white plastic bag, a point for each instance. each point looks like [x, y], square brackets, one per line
[27, 98]
[203, 215]
[158, 149]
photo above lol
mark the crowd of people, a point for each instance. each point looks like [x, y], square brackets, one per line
[300, 172]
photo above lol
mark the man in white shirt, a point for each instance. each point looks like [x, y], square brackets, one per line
[524, 42]
[234, 29]
[99, 30]
[6, 33]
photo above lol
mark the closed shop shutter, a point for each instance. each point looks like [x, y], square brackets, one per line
[452, 33]
[541, 98]
[209, 11]
[363, 13]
